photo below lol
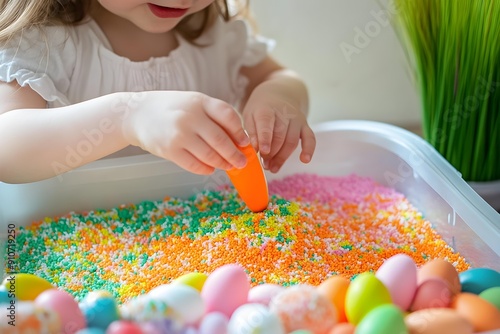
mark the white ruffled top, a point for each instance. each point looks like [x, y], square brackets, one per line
[66, 65]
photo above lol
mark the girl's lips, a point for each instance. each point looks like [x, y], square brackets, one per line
[167, 12]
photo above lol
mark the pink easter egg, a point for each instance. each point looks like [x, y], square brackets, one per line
[123, 327]
[61, 302]
[225, 289]
[264, 293]
[432, 293]
[399, 275]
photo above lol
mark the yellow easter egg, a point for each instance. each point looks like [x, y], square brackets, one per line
[26, 286]
[194, 280]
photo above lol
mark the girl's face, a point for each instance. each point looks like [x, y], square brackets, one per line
[154, 16]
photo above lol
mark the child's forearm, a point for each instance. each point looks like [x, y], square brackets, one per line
[36, 144]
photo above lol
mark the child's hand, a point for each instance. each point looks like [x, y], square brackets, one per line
[193, 130]
[275, 125]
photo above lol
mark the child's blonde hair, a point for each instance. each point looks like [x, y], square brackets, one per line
[16, 15]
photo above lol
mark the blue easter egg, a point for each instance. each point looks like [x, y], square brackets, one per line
[4, 295]
[477, 280]
[100, 312]
[92, 330]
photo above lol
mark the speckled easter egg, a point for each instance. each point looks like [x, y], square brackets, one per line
[194, 280]
[437, 321]
[72, 318]
[27, 317]
[185, 300]
[26, 286]
[255, 318]
[263, 293]
[492, 295]
[303, 307]
[432, 293]
[476, 280]
[399, 275]
[439, 268]
[384, 319]
[365, 293]
[335, 289]
[226, 289]
[100, 309]
[214, 322]
[483, 315]
[143, 308]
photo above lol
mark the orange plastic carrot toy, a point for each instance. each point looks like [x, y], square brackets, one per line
[250, 181]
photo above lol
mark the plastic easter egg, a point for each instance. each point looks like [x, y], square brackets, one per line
[255, 318]
[477, 280]
[335, 289]
[124, 327]
[100, 309]
[214, 322]
[343, 328]
[194, 280]
[185, 300]
[263, 293]
[492, 295]
[364, 293]
[399, 275]
[250, 181]
[303, 307]
[384, 319]
[26, 286]
[226, 289]
[72, 318]
[437, 321]
[143, 309]
[432, 293]
[483, 315]
[439, 268]
[26, 317]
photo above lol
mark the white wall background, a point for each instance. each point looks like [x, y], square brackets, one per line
[372, 81]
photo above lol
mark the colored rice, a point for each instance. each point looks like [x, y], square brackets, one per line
[314, 227]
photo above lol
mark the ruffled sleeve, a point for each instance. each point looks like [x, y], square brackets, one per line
[42, 59]
[235, 43]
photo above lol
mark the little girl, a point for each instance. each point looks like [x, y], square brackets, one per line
[181, 79]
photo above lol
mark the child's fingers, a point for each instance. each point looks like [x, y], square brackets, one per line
[308, 143]
[289, 145]
[225, 116]
[190, 163]
[281, 128]
[264, 124]
[252, 132]
[202, 151]
[219, 142]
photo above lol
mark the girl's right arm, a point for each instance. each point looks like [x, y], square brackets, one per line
[197, 132]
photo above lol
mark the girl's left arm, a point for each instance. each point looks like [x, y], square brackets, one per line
[275, 113]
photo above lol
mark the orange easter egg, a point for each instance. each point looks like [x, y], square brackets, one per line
[483, 315]
[439, 268]
[250, 181]
[335, 288]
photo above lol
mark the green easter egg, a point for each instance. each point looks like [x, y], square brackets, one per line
[384, 319]
[492, 295]
[365, 293]
[194, 280]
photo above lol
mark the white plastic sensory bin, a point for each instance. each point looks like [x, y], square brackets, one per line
[390, 155]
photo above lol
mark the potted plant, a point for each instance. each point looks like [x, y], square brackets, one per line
[453, 47]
